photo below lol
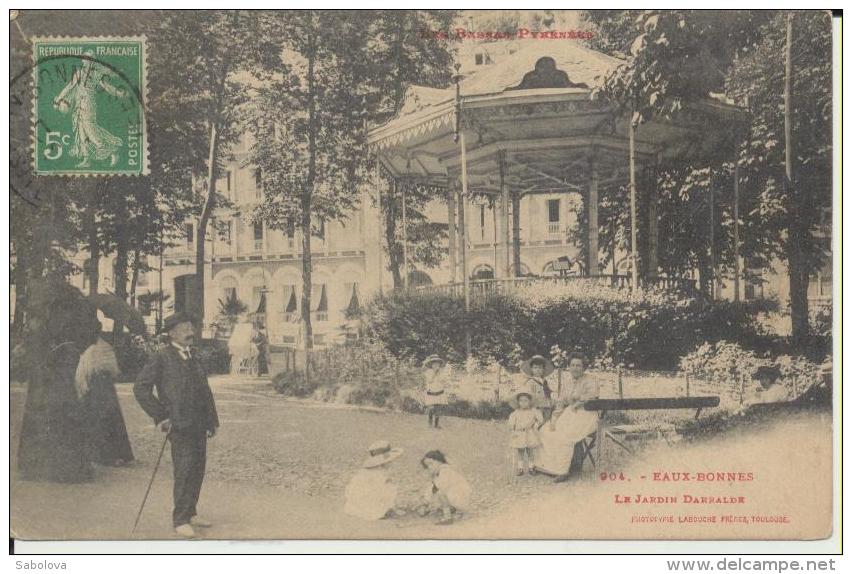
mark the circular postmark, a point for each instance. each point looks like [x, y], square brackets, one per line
[78, 109]
[88, 106]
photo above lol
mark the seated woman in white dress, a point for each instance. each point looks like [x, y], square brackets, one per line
[371, 494]
[562, 450]
[770, 390]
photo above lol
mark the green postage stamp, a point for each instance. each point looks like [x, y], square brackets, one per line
[89, 106]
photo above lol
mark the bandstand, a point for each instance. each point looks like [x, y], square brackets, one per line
[531, 124]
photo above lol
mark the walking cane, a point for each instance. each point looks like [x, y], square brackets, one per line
[151, 482]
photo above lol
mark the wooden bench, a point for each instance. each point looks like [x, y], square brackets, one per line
[642, 403]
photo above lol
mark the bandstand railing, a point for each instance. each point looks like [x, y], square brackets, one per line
[480, 288]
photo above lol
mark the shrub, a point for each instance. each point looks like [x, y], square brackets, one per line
[482, 410]
[132, 354]
[729, 360]
[415, 326]
[371, 373]
[650, 329]
[292, 384]
[214, 356]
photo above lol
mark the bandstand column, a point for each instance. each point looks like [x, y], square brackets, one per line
[516, 233]
[594, 268]
[462, 239]
[404, 238]
[505, 230]
[451, 221]
[463, 225]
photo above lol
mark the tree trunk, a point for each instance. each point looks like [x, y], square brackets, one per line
[120, 280]
[20, 292]
[796, 262]
[206, 213]
[799, 278]
[307, 285]
[134, 277]
[704, 279]
[212, 168]
[93, 270]
[394, 256]
[307, 195]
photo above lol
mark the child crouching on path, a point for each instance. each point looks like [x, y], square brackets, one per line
[524, 423]
[449, 491]
[371, 494]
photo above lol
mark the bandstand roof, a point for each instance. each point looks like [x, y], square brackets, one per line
[543, 121]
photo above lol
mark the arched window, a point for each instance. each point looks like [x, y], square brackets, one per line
[353, 306]
[482, 271]
[228, 288]
[291, 303]
[319, 301]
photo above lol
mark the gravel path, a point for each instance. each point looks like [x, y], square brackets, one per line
[290, 450]
[278, 468]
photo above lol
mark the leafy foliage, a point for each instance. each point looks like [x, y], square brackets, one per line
[232, 305]
[733, 361]
[648, 331]
[676, 58]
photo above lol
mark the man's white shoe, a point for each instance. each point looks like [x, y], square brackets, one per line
[185, 530]
[200, 522]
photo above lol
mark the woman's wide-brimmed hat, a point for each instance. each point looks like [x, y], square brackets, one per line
[381, 453]
[526, 366]
[773, 372]
[433, 359]
[516, 398]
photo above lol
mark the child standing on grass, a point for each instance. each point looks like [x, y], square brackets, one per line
[435, 395]
[524, 423]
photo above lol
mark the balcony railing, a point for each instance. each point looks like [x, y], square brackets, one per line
[480, 288]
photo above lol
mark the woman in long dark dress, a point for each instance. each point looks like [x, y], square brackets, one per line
[262, 344]
[95, 379]
[53, 437]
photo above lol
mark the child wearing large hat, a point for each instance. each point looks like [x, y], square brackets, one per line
[371, 494]
[538, 368]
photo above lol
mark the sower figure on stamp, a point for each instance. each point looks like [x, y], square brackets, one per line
[183, 407]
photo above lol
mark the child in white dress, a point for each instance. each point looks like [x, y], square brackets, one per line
[524, 423]
[435, 394]
[371, 494]
[449, 491]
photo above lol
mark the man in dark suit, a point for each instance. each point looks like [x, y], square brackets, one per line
[183, 407]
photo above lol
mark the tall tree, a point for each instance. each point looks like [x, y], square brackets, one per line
[399, 55]
[794, 214]
[202, 52]
[309, 121]
[676, 57]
